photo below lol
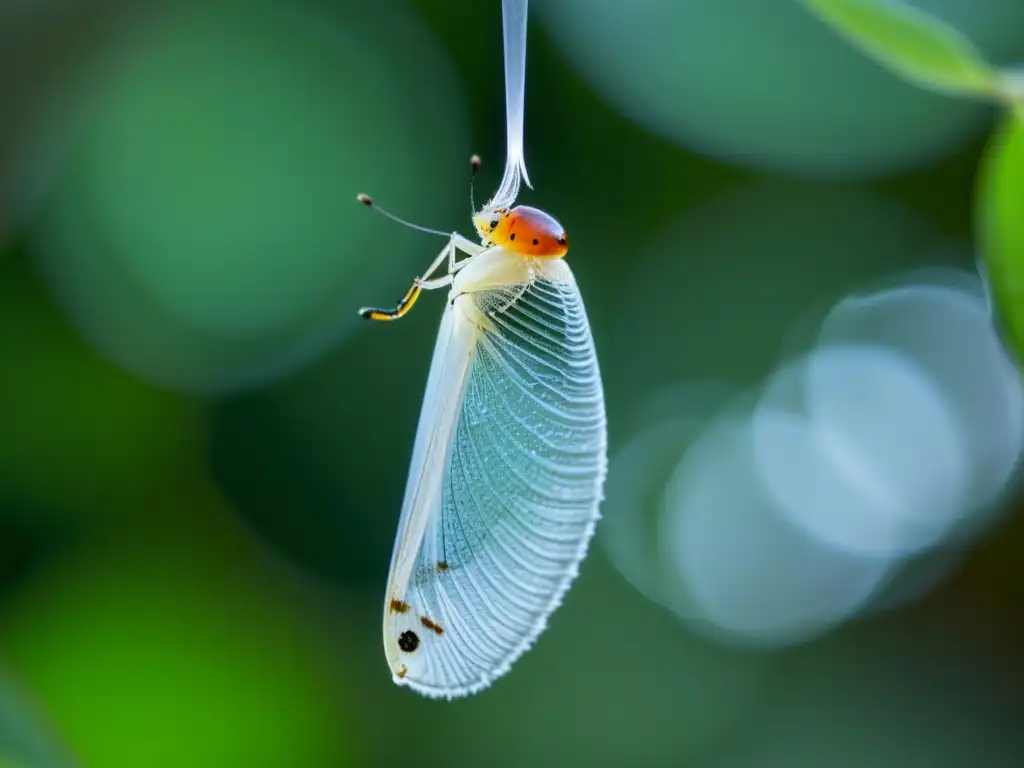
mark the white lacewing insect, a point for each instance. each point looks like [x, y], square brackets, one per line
[509, 460]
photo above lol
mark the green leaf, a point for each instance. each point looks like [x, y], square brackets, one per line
[999, 220]
[912, 44]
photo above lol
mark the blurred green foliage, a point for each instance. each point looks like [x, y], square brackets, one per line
[63, 403]
[202, 170]
[1000, 213]
[176, 648]
[913, 44]
[937, 56]
[767, 86]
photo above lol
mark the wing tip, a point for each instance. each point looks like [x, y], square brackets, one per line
[402, 679]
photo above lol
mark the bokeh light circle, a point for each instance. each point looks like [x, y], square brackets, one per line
[756, 578]
[171, 639]
[640, 463]
[714, 293]
[942, 323]
[885, 422]
[767, 85]
[204, 233]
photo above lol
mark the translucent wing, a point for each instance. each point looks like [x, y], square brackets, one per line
[513, 14]
[519, 497]
[441, 402]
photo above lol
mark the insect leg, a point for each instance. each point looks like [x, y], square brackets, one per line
[468, 247]
[437, 282]
[419, 285]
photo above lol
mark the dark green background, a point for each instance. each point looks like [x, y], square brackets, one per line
[203, 452]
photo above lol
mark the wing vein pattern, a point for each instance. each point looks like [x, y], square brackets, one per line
[521, 488]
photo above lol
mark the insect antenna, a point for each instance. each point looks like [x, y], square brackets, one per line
[474, 165]
[368, 202]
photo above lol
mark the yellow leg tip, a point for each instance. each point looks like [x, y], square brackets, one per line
[377, 314]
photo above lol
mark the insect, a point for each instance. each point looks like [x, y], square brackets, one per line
[509, 460]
